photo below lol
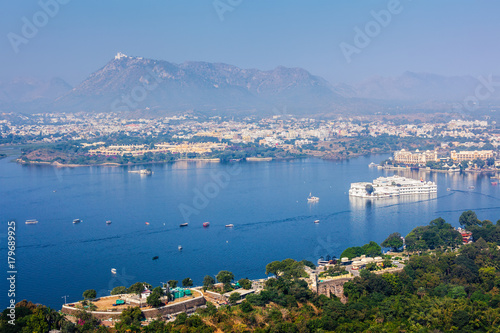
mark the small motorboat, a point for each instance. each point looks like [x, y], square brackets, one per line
[229, 225]
[108, 222]
[31, 221]
[179, 247]
[156, 258]
[113, 270]
[147, 223]
[75, 221]
[184, 225]
[312, 198]
[494, 183]
[206, 224]
[316, 221]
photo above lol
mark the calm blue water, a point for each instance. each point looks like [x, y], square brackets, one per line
[265, 201]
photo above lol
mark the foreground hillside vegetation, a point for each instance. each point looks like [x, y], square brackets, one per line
[444, 287]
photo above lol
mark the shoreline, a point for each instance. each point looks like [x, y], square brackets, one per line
[438, 170]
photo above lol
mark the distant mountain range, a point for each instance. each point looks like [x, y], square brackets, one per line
[161, 87]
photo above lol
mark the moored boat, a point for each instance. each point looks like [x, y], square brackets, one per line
[316, 221]
[229, 225]
[184, 225]
[75, 221]
[113, 270]
[32, 221]
[147, 223]
[156, 258]
[108, 222]
[206, 224]
[179, 247]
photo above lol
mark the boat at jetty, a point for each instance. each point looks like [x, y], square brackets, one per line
[229, 225]
[312, 198]
[384, 187]
[206, 224]
[31, 221]
[75, 221]
[184, 225]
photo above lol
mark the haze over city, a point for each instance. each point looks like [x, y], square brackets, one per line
[446, 37]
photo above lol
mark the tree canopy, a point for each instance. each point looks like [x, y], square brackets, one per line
[394, 241]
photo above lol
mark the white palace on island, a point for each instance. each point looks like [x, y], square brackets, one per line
[384, 187]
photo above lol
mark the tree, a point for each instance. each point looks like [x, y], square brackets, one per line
[372, 249]
[158, 290]
[130, 318]
[246, 307]
[37, 321]
[480, 163]
[245, 283]
[89, 294]
[369, 189]
[394, 241]
[225, 277]
[136, 288]
[187, 282]
[154, 300]
[469, 218]
[208, 282]
[234, 297]
[490, 161]
[172, 283]
[119, 290]
[287, 268]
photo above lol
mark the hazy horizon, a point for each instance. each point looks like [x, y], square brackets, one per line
[73, 39]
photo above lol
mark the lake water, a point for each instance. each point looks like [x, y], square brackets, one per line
[266, 202]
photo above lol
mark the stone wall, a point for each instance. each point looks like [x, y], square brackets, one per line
[184, 306]
[333, 287]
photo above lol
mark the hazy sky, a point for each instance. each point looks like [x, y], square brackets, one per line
[449, 37]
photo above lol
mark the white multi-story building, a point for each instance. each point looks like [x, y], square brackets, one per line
[384, 187]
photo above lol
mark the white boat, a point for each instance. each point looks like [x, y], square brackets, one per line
[229, 225]
[316, 221]
[312, 198]
[75, 221]
[179, 247]
[33, 221]
[113, 270]
[108, 222]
